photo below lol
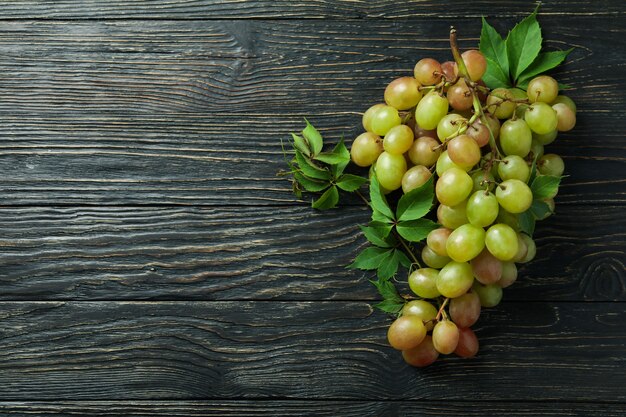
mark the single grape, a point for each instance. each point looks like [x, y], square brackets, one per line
[389, 170]
[419, 132]
[369, 114]
[424, 151]
[478, 132]
[423, 282]
[449, 125]
[546, 139]
[551, 164]
[465, 310]
[500, 104]
[494, 125]
[482, 181]
[430, 110]
[515, 137]
[445, 337]
[541, 118]
[422, 309]
[514, 167]
[422, 355]
[509, 219]
[428, 71]
[444, 163]
[415, 177]
[514, 196]
[398, 140]
[436, 240]
[464, 151]
[531, 248]
[522, 249]
[566, 117]
[460, 96]
[366, 149]
[536, 149]
[475, 63]
[452, 217]
[384, 119]
[501, 241]
[467, 346]
[487, 268]
[520, 107]
[509, 274]
[565, 100]
[465, 242]
[403, 93]
[433, 260]
[406, 332]
[490, 295]
[543, 88]
[455, 279]
[450, 71]
[482, 208]
[453, 186]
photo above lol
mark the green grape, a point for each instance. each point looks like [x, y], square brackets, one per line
[509, 274]
[422, 309]
[479, 132]
[514, 196]
[433, 260]
[482, 181]
[482, 209]
[522, 249]
[536, 149]
[465, 310]
[467, 346]
[501, 241]
[541, 118]
[515, 137]
[475, 63]
[450, 71]
[436, 240]
[423, 282]
[453, 186]
[551, 164]
[406, 332]
[389, 170]
[445, 337]
[422, 355]
[455, 279]
[452, 217]
[425, 151]
[459, 96]
[543, 88]
[366, 149]
[465, 242]
[415, 177]
[494, 125]
[444, 163]
[464, 151]
[565, 100]
[507, 218]
[398, 140]
[430, 110]
[449, 125]
[514, 167]
[546, 139]
[384, 119]
[531, 248]
[520, 108]
[403, 93]
[427, 71]
[566, 117]
[487, 268]
[499, 103]
[369, 113]
[490, 295]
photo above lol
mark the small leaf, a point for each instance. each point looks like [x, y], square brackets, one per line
[404, 260]
[300, 144]
[540, 209]
[327, 200]
[389, 265]
[389, 306]
[331, 158]
[544, 62]
[415, 230]
[527, 222]
[309, 184]
[309, 169]
[494, 77]
[387, 290]
[493, 48]
[545, 186]
[349, 182]
[533, 170]
[416, 203]
[378, 200]
[523, 44]
[370, 258]
[377, 216]
[340, 149]
[377, 233]
[313, 138]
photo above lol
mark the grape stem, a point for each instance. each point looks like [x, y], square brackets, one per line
[443, 306]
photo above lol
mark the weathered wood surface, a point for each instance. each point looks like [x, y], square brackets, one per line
[300, 350]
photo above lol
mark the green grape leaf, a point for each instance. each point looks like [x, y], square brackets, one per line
[415, 230]
[313, 138]
[341, 150]
[527, 222]
[328, 200]
[377, 216]
[331, 158]
[309, 184]
[544, 62]
[540, 209]
[392, 301]
[493, 48]
[404, 260]
[545, 186]
[390, 306]
[309, 168]
[416, 203]
[523, 44]
[370, 258]
[494, 77]
[378, 200]
[349, 182]
[389, 266]
[300, 144]
[377, 233]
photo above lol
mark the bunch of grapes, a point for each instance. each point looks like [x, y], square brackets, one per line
[483, 146]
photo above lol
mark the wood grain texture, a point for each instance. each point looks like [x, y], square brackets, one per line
[248, 350]
[300, 408]
[285, 9]
[264, 253]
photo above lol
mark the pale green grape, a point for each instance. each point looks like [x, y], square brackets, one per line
[452, 217]
[453, 186]
[425, 151]
[482, 208]
[422, 309]
[499, 103]
[565, 100]
[383, 119]
[398, 140]
[501, 241]
[490, 295]
[531, 248]
[465, 242]
[433, 260]
[366, 149]
[520, 107]
[449, 125]
[428, 71]
[522, 249]
[514, 196]
[514, 167]
[543, 88]
[455, 279]
[445, 337]
[482, 181]
[389, 170]
[415, 177]
[406, 332]
[509, 274]
[507, 218]
[541, 118]
[444, 163]
[436, 240]
[515, 137]
[403, 93]
[551, 164]
[430, 110]
[423, 282]
[546, 139]
[566, 117]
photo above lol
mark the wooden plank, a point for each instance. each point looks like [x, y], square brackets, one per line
[300, 350]
[284, 9]
[299, 408]
[287, 253]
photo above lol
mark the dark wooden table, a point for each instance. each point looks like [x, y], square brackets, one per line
[152, 264]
